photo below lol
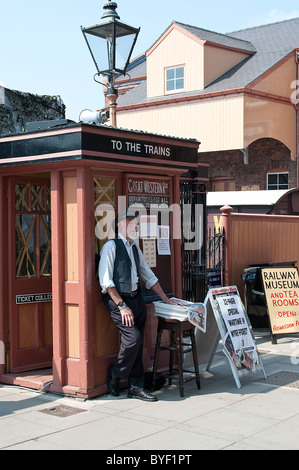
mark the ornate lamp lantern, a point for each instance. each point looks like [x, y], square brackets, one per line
[111, 44]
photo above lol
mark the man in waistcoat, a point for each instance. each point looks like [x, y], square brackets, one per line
[122, 267]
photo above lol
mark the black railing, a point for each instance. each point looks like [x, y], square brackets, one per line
[193, 261]
[215, 257]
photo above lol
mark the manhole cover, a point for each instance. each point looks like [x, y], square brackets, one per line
[283, 378]
[62, 411]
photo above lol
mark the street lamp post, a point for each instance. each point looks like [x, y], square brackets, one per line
[111, 44]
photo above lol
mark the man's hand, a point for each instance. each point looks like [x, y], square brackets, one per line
[127, 316]
[158, 290]
[174, 302]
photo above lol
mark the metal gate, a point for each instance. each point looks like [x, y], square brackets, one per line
[215, 257]
[193, 261]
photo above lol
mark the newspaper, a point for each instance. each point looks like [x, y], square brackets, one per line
[243, 359]
[195, 313]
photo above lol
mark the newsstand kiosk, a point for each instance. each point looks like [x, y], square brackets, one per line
[54, 329]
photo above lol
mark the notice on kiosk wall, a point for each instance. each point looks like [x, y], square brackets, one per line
[281, 286]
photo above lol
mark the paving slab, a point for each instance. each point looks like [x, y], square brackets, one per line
[262, 415]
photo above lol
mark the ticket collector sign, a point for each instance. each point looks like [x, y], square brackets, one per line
[33, 298]
[281, 286]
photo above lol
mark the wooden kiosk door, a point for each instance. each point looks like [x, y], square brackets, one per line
[30, 276]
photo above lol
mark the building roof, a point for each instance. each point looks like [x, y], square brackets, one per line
[63, 141]
[245, 198]
[272, 43]
[218, 38]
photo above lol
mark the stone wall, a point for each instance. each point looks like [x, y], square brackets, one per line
[17, 108]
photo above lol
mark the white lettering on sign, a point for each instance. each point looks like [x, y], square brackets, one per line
[33, 298]
[139, 147]
[117, 144]
[147, 187]
[157, 150]
[133, 147]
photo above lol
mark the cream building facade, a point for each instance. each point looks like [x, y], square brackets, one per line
[235, 93]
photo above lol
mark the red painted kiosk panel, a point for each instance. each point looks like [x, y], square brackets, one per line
[51, 309]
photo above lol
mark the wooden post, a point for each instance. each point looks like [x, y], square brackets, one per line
[227, 225]
[177, 255]
[58, 308]
[86, 275]
[3, 278]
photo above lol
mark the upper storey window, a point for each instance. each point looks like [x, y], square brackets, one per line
[174, 79]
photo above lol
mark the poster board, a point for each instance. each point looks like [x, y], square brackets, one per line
[281, 287]
[235, 330]
[206, 341]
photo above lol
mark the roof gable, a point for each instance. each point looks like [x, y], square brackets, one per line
[203, 36]
[273, 43]
[220, 40]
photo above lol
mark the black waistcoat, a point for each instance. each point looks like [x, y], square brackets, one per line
[122, 267]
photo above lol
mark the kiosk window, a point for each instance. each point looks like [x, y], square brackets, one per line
[104, 195]
[33, 230]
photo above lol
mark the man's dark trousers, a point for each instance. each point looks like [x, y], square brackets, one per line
[129, 363]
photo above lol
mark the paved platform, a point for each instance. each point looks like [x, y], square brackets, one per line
[262, 415]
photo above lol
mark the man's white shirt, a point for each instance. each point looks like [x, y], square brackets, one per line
[106, 266]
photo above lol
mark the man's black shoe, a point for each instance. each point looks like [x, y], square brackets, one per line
[141, 394]
[112, 382]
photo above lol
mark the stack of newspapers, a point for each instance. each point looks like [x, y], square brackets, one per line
[195, 313]
[174, 312]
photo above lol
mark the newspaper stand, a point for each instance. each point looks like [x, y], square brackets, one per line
[235, 330]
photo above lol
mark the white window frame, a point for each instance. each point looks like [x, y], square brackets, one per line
[175, 79]
[277, 173]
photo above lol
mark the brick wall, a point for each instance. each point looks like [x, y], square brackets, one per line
[264, 156]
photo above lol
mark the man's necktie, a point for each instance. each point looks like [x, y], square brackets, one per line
[137, 262]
